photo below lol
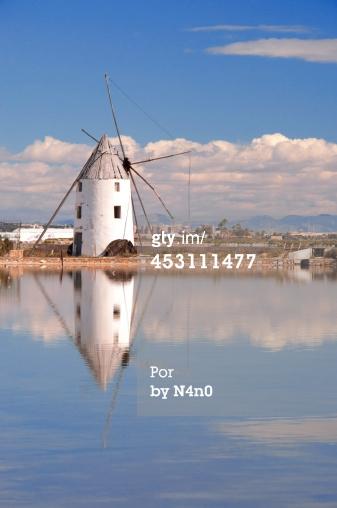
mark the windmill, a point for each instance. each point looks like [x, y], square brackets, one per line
[105, 208]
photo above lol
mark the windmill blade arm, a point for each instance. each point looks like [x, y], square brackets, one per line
[90, 135]
[142, 178]
[136, 222]
[154, 190]
[141, 202]
[54, 214]
[114, 115]
[163, 157]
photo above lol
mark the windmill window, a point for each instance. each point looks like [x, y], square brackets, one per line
[117, 186]
[117, 312]
[117, 212]
[79, 187]
[79, 212]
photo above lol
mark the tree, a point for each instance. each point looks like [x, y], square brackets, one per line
[222, 224]
[205, 227]
[5, 246]
[239, 231]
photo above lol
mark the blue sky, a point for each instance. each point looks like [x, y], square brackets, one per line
[248, 86]
[54, 55]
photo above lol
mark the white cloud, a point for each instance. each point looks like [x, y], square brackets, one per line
[248, 28]
[271, 174]
[33, 312]
[55, 151]
[310, 50]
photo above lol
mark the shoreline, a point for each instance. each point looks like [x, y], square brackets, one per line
[142, 263]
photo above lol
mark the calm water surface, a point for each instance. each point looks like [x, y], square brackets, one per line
[72, 350]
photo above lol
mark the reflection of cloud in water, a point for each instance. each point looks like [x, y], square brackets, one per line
[284, 430]
[270, 313]
[31, 312]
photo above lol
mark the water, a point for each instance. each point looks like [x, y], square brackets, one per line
[75, 355]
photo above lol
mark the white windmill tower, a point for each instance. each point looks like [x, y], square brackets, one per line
[103, 209]
[104, 204]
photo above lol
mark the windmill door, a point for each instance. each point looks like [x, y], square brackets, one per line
[78, 244]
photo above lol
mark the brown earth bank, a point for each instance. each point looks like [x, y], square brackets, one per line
[54, 256]
[143, 262]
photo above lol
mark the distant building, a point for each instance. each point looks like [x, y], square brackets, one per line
[301, 256]
[311, 233]
[31, 234]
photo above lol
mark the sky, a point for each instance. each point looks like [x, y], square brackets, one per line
[250, 86]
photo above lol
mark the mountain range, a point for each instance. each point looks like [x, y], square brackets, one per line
[323, 223]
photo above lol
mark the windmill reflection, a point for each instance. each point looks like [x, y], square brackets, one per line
[103, 318]
[104, 329]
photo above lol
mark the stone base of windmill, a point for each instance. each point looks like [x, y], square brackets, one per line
[120, 248]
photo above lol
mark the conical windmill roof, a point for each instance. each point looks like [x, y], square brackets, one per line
[102, 163]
